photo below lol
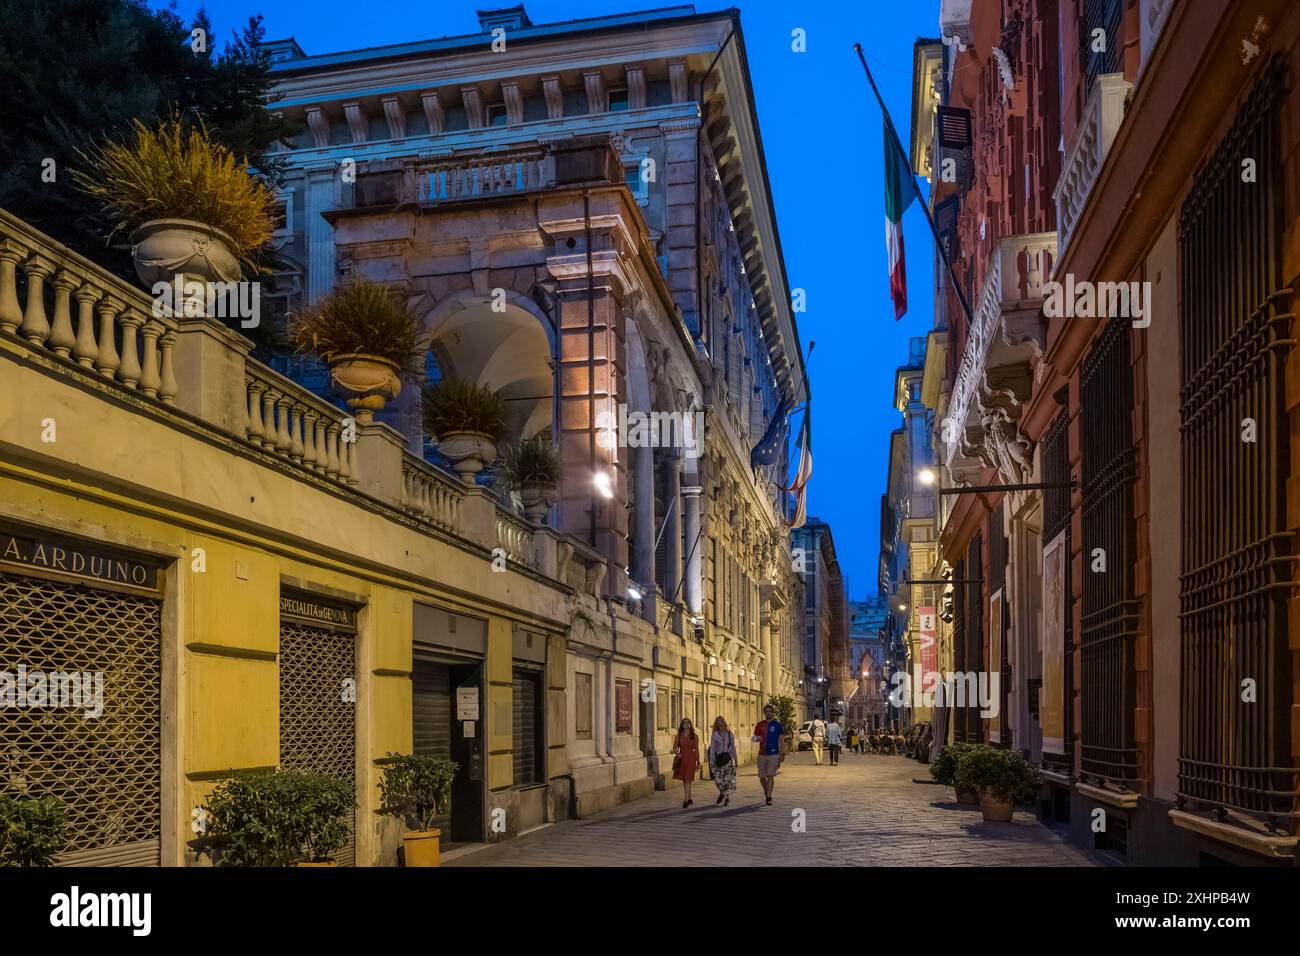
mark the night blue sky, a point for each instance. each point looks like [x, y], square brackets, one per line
[822, 135]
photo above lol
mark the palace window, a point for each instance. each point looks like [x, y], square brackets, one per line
[1239, 560]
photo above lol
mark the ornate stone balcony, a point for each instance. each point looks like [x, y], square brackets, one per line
[1086, 155]
[994, 375]
[196, 376]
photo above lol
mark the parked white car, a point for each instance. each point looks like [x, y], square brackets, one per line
[803, 740]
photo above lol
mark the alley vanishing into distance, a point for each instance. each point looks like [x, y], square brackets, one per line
[868, 811]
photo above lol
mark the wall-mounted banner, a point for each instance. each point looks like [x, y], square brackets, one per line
[1051, 709]
[927, 623]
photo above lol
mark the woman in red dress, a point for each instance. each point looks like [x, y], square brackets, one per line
[686, 758]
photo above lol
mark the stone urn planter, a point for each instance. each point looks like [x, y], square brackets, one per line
[470, 452]
[537, 500]
[162, 248]
[995, 809]
[366, 381]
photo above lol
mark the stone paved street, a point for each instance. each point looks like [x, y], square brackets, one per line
[865, 812]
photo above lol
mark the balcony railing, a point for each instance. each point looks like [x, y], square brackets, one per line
[431, 494]
[480, 175]
[297, 425]
[116, 333]
[1083, 161]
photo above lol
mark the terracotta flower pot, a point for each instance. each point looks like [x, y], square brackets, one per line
[164, 247]
[366, 381]
[537, 500]
[995, 810]
[302, 863]
[967, 796]
[470, 452]
[420, 847]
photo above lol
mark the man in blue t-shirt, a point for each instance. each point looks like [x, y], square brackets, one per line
[768, 734]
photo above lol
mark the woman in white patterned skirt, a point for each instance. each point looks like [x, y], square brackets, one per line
[722, 760]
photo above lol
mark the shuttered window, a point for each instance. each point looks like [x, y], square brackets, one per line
[1099, 35]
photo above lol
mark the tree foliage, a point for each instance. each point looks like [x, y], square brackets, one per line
[77, 73]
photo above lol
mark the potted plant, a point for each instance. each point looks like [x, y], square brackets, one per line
[33, 830]
[944, 770]
[1001, 776]
[278, 818]
[322, 807]
[468, 420]
[367, 336]
[533, 468]
[190, 205]
[415, 789]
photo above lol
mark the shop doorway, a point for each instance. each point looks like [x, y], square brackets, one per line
[443, 693]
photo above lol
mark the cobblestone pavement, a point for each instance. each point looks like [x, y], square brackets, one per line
[864, 812]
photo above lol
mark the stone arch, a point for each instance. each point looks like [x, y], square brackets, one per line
[509, 348]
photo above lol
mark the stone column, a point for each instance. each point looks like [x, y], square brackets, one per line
[643, 559]
[694, 586]
[672, 529]
[591, 385]
[322, 196]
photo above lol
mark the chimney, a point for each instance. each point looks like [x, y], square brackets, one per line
[510, 18]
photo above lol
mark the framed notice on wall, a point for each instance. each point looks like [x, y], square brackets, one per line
[623, 706]
[582, 706]
[1051, 707]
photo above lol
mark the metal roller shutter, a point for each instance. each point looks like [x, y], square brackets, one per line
[431, 709]
[317, 726]
[107, 770]
[525, 712]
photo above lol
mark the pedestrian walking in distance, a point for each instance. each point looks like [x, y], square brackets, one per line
[770, 737]
[722, 760]
[686, 758]
[834, 740]
[818, 739]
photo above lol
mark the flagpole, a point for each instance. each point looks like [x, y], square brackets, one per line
[911, 176]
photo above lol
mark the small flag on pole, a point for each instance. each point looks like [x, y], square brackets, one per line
[898, 196]
[803, 472]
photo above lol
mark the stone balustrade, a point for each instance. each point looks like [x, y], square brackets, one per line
[112, 330]
[515, 537]
[477, 175]
[1102, 116]
[431, 494]
[291, 421]
[115, 331]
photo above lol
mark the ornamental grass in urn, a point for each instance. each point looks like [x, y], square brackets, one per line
[533, 468]
[468, 420]
[367, 336]
[190, 205]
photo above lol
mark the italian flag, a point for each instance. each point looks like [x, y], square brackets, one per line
[898, 196]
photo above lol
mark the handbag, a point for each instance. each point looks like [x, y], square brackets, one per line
[723, 758]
